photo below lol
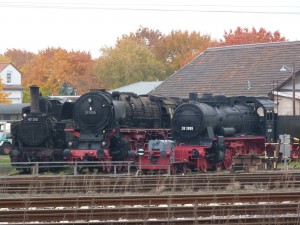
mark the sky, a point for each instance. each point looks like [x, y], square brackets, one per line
[89, 25]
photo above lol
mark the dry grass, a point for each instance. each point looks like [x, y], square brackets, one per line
[235, 186]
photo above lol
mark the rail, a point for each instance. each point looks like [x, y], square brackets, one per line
[246, 208]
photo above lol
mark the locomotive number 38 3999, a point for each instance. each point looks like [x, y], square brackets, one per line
[187, 128]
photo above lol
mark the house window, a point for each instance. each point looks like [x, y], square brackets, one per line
[8, 78]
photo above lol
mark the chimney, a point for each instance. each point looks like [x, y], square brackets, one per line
[193, 97]
[34, 94]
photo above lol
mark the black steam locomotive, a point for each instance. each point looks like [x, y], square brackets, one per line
[202, 119]
[110, 126]
[207, 133]
[213, 130]
[40, 135]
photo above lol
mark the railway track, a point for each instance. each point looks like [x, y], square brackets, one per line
[146, 213]
[282, 220]
[248, 208]
[81, 201]
[145, 184]
[96, 199]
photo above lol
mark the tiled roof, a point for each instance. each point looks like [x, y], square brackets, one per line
[12, 108]
[12, 87]
[3, 65]
[250, 69]
[140, 88]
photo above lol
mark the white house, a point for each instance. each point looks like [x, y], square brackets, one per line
[11, 79]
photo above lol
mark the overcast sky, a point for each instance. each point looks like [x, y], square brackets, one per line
[88, 25]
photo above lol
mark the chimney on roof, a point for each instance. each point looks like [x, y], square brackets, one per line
[249, 84]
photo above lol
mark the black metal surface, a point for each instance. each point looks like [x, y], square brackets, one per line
[34, 94]
[93, 110]
[34, 130]
[40, 134]
[288, 125]
[195, 122]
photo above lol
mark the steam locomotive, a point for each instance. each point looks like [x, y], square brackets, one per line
[221, 128]
[156, 133]
[111, 127]
[215, 132]
[40, 135]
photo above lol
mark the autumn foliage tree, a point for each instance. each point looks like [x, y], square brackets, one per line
[148, 55]
[127, 63]
[3, 95]
[176, 48]
[246, 36]
[152, 41]
[18, 57]
[148, 37]
[51, 67]
[179, 47]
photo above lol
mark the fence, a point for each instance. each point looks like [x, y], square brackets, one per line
[73, 168]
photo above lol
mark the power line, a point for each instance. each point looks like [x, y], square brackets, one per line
[146, 4]
[69, 7]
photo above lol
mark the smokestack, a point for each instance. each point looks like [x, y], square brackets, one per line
[35, 104]
[193, 96]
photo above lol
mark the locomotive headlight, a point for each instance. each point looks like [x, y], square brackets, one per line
[140, 152]
[70, 143]
[103, 143]
[89, 100]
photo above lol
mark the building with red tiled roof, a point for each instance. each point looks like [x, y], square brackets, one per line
[250, 70]
[11, 78]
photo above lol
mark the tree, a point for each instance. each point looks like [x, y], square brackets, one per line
[52, 67]
[148, 55]
[126, 63]
[244, 36]
[175, 49]
[179, 47]
[147, 37]
[18, 57]
[3, 95]
[4, 59]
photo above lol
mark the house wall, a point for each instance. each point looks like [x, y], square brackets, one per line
[285, 99]
[15, 94]
[15, 75]
[285, 106]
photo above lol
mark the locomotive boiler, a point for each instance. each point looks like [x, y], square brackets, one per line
[211, 130]
[196, 122]
[98, 109]
[108, 125]
[40, 135]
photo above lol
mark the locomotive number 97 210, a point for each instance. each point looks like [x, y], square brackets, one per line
[33, 119]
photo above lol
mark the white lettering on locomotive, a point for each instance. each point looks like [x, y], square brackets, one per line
[33, 119]
[187, 128]
[93, 112]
